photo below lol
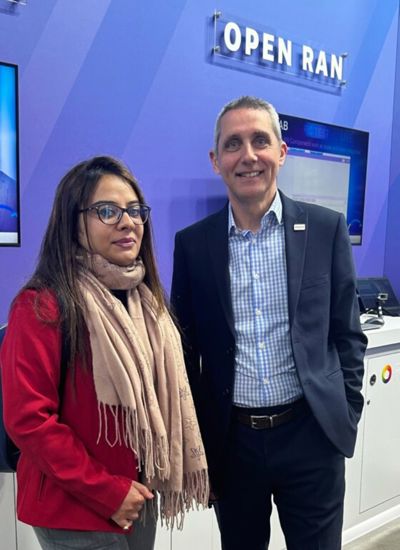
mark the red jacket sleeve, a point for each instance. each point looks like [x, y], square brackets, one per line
[30, 364]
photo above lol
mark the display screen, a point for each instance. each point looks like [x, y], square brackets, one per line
[326, 165]
[368, 289]
[9, 169]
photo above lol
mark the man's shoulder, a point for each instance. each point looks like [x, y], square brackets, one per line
[201, 226]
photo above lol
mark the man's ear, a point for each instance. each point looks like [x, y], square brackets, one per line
[214, 161]
[283, 154]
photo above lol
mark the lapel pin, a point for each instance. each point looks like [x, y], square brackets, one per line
[299, 227]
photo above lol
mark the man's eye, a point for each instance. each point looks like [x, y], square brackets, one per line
[261, 141]
[232, 145]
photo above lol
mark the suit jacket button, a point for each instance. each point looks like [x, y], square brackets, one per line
[226, 392]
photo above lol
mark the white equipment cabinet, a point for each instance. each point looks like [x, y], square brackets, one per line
[372, 475]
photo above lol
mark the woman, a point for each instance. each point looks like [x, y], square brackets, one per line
[97, 441]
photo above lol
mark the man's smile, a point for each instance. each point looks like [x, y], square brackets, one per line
[253, 174]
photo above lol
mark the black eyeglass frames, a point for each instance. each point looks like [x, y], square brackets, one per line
[110, 214]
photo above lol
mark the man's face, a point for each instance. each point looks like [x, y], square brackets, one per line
[249, 156]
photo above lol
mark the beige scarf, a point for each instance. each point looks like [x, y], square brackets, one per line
[140, 376]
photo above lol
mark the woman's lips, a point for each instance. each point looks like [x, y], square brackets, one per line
[125, 243]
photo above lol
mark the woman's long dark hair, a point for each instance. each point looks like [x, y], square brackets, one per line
[58, 267]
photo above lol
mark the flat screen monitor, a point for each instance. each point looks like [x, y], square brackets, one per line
[326, 165]
[9, 166]
[368, 289]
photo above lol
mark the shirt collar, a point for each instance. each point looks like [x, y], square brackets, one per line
[276, 208]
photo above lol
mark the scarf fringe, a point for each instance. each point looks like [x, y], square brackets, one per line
[151, 451]
[152, 455]
[174, 504]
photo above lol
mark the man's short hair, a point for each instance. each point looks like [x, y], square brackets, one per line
[248, 102]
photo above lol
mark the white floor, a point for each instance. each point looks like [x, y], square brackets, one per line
[384, 538]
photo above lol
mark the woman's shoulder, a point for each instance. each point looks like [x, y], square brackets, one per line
[42, 302]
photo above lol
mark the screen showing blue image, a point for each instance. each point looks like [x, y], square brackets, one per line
[326, 165]
[9, 174]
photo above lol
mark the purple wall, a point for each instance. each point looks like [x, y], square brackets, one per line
[392, 249]
[132, 79]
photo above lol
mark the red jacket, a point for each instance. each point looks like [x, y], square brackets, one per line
[66, 479]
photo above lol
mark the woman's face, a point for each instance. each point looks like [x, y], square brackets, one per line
[119, 243]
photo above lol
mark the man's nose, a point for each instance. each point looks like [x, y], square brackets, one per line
[249, 154]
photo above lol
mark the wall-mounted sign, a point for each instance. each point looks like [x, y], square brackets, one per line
[259, 50]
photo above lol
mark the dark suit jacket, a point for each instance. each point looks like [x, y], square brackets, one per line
[328, 344]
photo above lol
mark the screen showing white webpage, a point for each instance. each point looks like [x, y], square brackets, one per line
[316, 177]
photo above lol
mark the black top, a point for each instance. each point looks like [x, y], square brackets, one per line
[121, 295]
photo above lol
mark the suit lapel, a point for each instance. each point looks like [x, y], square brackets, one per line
[217, 240]
[296, 231]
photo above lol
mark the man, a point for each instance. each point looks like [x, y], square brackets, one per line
[265, 295]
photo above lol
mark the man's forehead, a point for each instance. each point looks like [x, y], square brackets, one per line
[246, 120]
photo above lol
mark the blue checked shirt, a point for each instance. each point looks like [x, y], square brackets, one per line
[265, 372]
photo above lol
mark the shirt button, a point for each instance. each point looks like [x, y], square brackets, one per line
[266, 381]
[258, 311]
[261, 345]
[256, 276]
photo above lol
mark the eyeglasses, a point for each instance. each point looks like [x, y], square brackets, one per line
[111, 214]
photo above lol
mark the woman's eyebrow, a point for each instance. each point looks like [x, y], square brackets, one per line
[105, 201]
